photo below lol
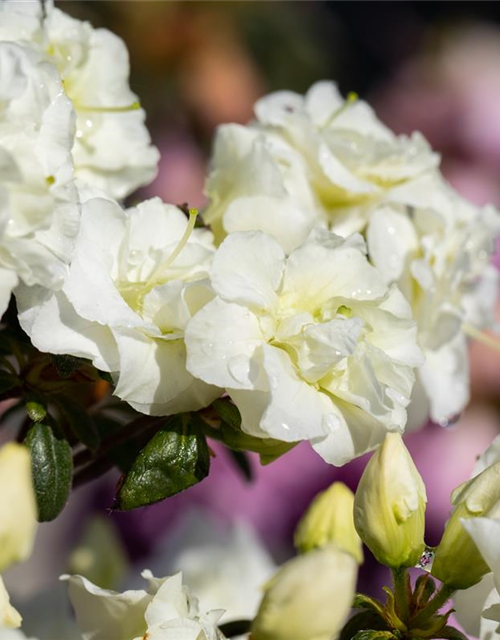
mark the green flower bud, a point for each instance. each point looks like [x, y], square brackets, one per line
[309, 598]
[328, 520]
[458, 562]
[389, 506]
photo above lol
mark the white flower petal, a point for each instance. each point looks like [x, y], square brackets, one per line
[221, 340]
[53, 326]
[153, 376]
[102, 614]
[247, 269]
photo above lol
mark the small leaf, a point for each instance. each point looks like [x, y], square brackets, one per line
[242, 462]
[228, 412]
[362, 621]
[80, 422]
[175, 459]
[52, 467]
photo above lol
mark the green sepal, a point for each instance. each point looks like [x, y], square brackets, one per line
[176, 458]
[393, 620]
[434, 626]
[52, 468]
[450, 633]
[366, 602]
[425, 586]
[373, 634]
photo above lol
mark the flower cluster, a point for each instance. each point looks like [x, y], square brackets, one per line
[321, 160]
[68, 121]
[330, 299]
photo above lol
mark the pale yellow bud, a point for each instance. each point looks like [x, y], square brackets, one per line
[458, 562]
[329, 520]
[309, 598]
[389, 506]
[18, 510]
[9, 617]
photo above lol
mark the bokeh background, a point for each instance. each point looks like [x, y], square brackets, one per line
[430, 66]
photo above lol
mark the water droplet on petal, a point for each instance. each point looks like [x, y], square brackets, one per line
[331, 422]
[449, 421]
[239, 368]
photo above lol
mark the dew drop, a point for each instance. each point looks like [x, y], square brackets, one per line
[331, 422]
[426, 559]
[449, 421]
[239, 368]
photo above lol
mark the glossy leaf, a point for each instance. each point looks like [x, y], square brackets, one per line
[175, 459]
[52, 467]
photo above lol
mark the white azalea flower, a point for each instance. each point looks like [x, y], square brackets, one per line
[308, 158]
[165, 611]
[136, 278]
[112, 148]
[314, 347]
[436, 246]
[39, 211]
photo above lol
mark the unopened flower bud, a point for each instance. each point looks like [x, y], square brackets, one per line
[18, 510]
[329, 520]
[309, 598]
[389, 506]
[458, 562]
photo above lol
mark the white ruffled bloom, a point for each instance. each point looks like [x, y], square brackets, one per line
[436, 246]
[112, 148]
[320, 160]
[165, 611]
[39, 211]
[478, 608]
[314, 347]
[306, 159]
[135, 280]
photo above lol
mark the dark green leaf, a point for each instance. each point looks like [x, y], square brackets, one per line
[66, 365]
[8, 382]
[450, 633]
[240, 459]
[228, 412]
[175, 459]
[52, 467]
[361, 622]
[80, 422]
